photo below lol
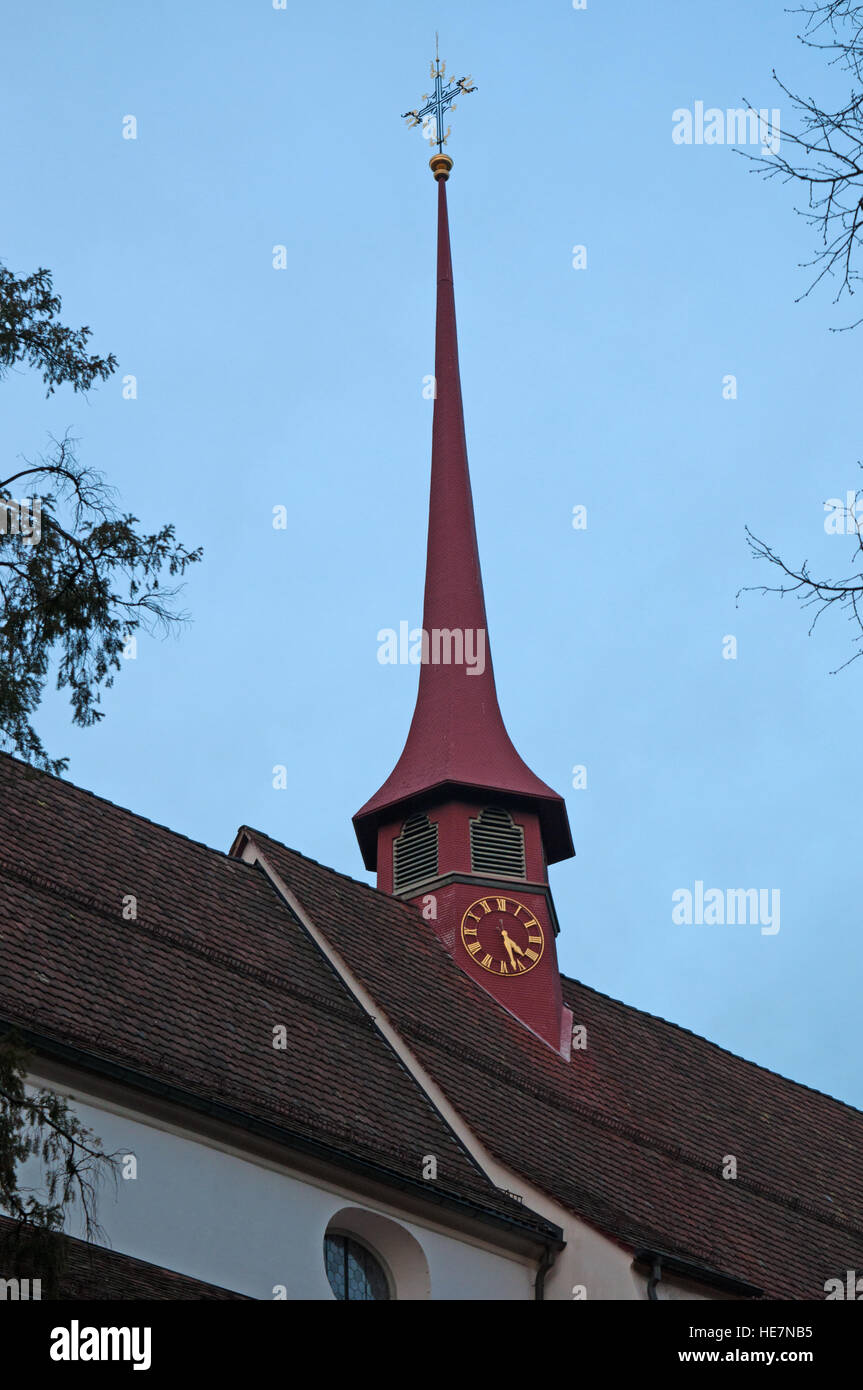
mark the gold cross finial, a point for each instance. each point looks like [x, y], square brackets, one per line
[430, 116]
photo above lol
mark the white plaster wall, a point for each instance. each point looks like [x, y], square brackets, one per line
[249, 1226]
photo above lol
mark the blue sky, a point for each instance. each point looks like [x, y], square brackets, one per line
[603, 387]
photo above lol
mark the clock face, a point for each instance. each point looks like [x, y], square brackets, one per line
[503, 936]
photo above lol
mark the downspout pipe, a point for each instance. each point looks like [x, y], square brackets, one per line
[548, 1258]
[655, 1264]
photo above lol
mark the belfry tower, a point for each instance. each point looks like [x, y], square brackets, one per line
[461, 826]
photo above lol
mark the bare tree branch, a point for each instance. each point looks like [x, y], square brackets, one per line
[826, 154]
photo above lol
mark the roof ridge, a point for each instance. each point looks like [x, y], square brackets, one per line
[29, 769]
[328, 868]
[690, 1032]
[226, 855]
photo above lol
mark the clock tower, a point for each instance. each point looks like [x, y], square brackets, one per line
[462, 827]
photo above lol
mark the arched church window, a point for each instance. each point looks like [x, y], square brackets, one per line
[497, 844]
[414, 853]
[354, 1273]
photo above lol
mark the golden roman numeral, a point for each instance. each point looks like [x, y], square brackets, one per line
[503, 969]
[474, 947]
[486, 961]
[470, 931]
[537, 940]
[501, 904]
[484, 905]
[531, 955]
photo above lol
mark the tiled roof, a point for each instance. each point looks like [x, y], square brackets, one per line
[632, 1133]
[93, 1272]
[189, 993]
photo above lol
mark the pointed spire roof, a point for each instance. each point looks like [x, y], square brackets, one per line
[457, 737]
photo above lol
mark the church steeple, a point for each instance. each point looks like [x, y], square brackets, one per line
[457, 736]
[461, 814]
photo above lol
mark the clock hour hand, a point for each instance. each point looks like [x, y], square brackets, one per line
[510, 946]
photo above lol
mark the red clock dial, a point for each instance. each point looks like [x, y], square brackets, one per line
[503, 936]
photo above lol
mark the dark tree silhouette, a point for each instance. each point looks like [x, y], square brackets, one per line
[67, 1168]
[77, 579]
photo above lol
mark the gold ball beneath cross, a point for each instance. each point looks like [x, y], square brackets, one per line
[440, 165]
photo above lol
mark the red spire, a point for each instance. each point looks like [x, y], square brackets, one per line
[457, 735]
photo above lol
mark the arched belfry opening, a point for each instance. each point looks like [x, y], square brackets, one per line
[497, 844]
[415, 857]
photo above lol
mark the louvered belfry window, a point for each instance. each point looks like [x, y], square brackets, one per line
[414, 853]
[496, 844]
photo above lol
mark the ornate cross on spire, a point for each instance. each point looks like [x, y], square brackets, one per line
[437, 104]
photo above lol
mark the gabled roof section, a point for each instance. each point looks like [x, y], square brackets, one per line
[188, 993]
[631, 1134]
